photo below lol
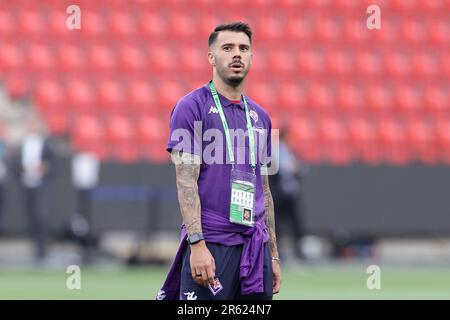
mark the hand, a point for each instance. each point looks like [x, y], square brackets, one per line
[202, 263]
[276, 268]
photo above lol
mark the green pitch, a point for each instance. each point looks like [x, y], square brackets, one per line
[304, 282]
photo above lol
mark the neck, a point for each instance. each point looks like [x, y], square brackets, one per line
[229, 92]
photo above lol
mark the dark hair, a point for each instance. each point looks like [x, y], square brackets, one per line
[234, 26]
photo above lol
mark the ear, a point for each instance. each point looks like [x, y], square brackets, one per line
[211, 58]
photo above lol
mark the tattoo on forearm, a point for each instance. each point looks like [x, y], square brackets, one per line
[188, 197]
[270, 217]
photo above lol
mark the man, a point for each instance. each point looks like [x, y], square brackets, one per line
[33, 167]
[215, 249]
[3, 171]
[286, 191]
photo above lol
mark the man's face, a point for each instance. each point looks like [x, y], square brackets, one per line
[231, 55]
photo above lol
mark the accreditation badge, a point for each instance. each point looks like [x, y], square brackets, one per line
[242, 197]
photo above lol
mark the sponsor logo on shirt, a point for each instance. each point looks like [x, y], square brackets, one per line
[161, 295]
[254, 115]
[213, 110]
[190, 295]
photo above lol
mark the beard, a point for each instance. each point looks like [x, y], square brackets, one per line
[232, 80]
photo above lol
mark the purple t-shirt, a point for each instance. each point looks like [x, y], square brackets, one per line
[214, 179]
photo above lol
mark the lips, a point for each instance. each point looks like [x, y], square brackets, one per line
[236, 65]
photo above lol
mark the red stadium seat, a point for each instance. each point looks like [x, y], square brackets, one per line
[432, 6]
[389, 32]
[18, 85]
[355, 30]
[340, 62]
[333, 139]
[380, 98]
[183, 25]
[88, 127]
[102, 58]
[161, 58]
[151, 129]
[409, 99]
[439, 31]
[49, 93]
[304, 138]
[426, 63]
[121, 136]
[110, 94]
[193, 60]
[328, 29]
[169, 93]
[437, 99]
[413, 30]
[349, 98]
[391, 135]
[421, 140]
[445, 63]
[292, 97]
[363, 139]
[31, 22]
[369, 63]
[152, 25]
[57, 122]
[132, 58]
[57, 24]
[398, 63]
[321, 96]
[299, 29]
[11, 56]
[269, 27]
[281, 61]
[94, 23]
[122, 23]
[443, 138]
[80, 93]
[40, 57]
[119, 128]
[311, 61]
[71, 57]
[263, 93]
[142, 96]
[7, 22]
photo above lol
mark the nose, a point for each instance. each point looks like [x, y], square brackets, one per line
[236, 53]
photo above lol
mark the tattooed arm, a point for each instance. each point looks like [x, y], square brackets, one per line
[187, 172]
[270, 223]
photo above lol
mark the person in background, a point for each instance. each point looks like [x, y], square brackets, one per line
[33, 168]
[3, 170]
[285, 186]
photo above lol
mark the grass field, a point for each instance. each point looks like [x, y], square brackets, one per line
[305, 282]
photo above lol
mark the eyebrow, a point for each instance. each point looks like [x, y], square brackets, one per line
[232, 44]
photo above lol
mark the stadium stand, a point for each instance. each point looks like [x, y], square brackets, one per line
[349, 94]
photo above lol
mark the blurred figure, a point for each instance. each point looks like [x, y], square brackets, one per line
[285, 186]
[3, 171]
[34, 164]
[85, 175]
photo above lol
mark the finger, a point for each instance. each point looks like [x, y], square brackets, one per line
[205, 277]
[214, 267]
[276, 285]
[197, 279]
[210, 275]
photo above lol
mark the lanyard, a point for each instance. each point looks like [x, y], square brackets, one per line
[227, 133]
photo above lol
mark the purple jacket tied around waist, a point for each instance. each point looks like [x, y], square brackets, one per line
[218, 229]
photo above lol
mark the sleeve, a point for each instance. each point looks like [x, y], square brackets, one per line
[186, 127]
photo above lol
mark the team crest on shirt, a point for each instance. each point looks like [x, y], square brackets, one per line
[254, 115]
